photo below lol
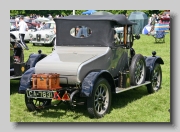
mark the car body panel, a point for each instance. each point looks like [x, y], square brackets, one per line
[67, 60]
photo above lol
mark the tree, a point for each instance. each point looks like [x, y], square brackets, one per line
[78, 12]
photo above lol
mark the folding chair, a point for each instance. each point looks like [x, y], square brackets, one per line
[159, 36]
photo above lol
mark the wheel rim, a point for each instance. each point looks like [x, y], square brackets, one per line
[156, 79]
[11, 39]
[139, 72]
[101, 99]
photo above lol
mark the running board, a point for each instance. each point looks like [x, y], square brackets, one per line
[15, 77]
[119, 90]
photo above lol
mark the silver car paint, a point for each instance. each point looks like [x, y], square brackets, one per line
[74, 63]
[113, 60]
[66, 61]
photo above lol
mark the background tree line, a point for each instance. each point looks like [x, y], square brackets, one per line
[77, 12]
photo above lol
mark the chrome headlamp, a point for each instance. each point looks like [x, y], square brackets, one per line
[47, 36]
[30, 35]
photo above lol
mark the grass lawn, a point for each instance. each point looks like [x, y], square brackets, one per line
[130, 106]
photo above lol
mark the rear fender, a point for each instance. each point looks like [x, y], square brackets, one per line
[33, 59]
[25, 81]
[90, 80]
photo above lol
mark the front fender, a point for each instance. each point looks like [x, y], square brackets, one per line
[150, 62]
[15, 34]
[25, 81]
[90, 80]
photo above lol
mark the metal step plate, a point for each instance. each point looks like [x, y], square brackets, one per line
[15, 77]
[119, 90]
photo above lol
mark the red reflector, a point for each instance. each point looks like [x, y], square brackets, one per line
[66, 97]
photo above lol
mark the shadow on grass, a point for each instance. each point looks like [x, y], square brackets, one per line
[63, 111]
[43, 45]
[118, 101]
[122, 99]
[159, 43]
[14, 86]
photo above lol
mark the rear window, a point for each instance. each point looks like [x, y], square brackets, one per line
[80, 32]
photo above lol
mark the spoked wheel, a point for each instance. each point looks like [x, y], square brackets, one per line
[36, 104]
[137, 70]
[100, 101]
[156, 79]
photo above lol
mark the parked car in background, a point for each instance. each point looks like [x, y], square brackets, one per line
[14, 31]
[45, 35]
[17, 64]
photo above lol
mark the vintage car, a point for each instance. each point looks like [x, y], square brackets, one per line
[44, 36]
[90, 63]
[14, 32]
[17, 64]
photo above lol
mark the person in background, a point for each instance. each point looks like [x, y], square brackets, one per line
[127, 16]
[41, 26]
[152, 23]
[22, 30]
[31, 16]
[150, 18]
[158, 18]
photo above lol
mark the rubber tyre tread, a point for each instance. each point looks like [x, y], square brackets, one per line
[90, 101]
[150, 88]
[135, 59]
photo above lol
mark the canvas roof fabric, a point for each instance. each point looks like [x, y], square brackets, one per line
[102, 27]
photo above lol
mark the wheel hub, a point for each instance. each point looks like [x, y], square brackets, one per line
[155, 79]
[100, 99]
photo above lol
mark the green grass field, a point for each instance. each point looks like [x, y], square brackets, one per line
[130, 106]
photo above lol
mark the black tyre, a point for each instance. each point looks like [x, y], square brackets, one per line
[34, 44]
[100, 101]
[36, 104]
[22, 56]
[156, 79]
[137, 70]
[53, 42]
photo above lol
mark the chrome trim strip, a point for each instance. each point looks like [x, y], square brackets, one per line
[86, 62]
[15, 77]
[119, 90]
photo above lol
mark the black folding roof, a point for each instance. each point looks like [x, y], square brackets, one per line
[120, 19]
[102, 27]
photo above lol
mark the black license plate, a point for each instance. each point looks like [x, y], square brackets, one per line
[40, 94]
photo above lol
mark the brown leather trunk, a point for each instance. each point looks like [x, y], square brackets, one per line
[46, 81]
